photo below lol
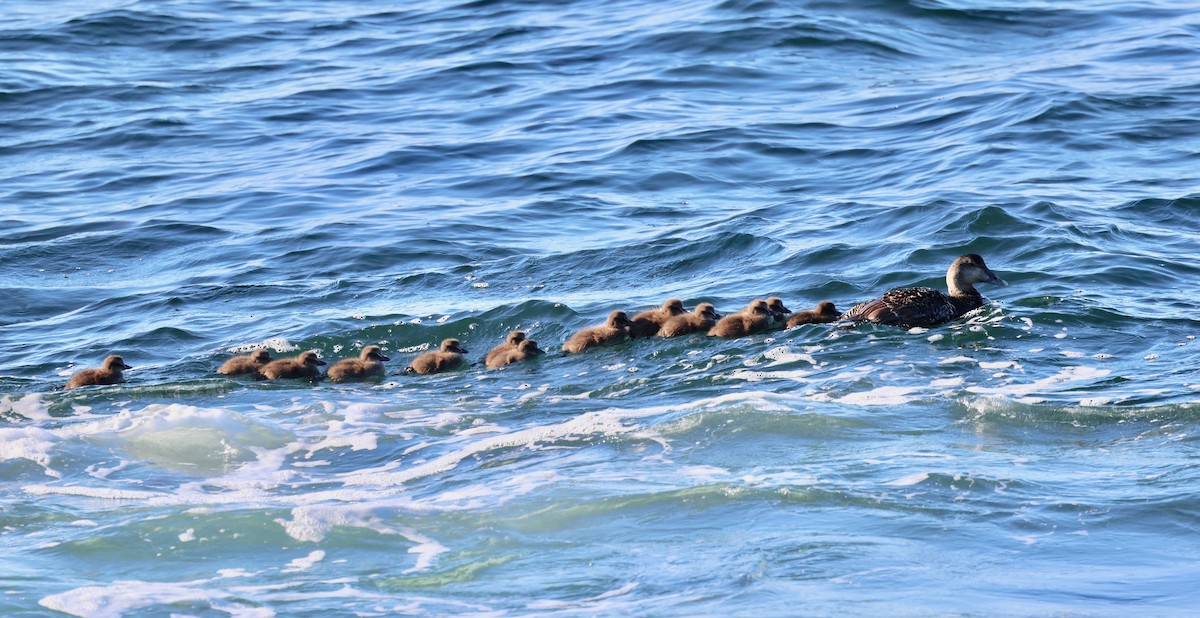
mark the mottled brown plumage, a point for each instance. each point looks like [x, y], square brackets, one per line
[368, 364]
[510, 343]
[701, 320]
[450, 356]
[527, 349]
[246, 364]
[823, 314]
[303, 367]
[109, 373]
[646, 323]
[755, 317]
[926, 306]
[612, 331]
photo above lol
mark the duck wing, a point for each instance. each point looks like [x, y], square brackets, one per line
[905, 307]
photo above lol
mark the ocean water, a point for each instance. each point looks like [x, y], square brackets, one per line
[183, 180]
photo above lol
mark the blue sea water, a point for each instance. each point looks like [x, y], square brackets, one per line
[184, 180]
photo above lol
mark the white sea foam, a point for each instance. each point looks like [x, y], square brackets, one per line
[882, 396]
[1065, 375]
[303, 564]
[999, 365]
[31, 406]
[782, 354]
[32, 443]
[278, 344]
[911, 479]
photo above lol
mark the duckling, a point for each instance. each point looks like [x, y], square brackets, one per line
[450, 356]
[823, 314]
[612, 331]
[527, 349]
[109, 373]
[510, 343]
[927, 307]
[251, 364]
[368, 364]
[647, 323]
[701, 320]
[778, 311]
[755, 317]
[302, 367]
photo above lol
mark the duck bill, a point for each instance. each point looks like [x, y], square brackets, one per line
[384, 358]
[124, 366]
[995, 279]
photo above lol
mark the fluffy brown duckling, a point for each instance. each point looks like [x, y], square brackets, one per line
[755, 317]
[612, 331]
[306, 366]
[701, 320]
[527, 349]
[646, 323]
[109, 373]
[368, 364]
[246, 364]
[778, 311]
[823, 314]
[450, 356]
[511, 342]
[926, 306]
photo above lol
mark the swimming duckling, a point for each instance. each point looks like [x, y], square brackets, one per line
[755, 317]
[303, 367]
[926, 306]
[701, 320]
[450, 356]
[823, 314]
[775, 305]
[612, 331]
[251, 364]
[510, 343]
[109, 373]
[369, 363]
[647, 323]
[527, 349]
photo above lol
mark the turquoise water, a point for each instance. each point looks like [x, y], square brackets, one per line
[182, 180]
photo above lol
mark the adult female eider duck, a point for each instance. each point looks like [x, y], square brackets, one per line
[511, 342]
[646, 323]
[303, 367]
[251, 363]
[109, 373]
[369, 363]
[823, 314]
[926, 306]
[612, 331]
[450, 356]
